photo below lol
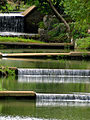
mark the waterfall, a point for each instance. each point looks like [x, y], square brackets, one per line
[61, 103]
[52, 79]
[63, 97]
[11, 22]
[60, 72]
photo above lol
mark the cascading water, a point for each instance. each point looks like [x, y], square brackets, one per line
[56, 76]
[11, 22]
[63, 99]
[54, 72]
[52, 79]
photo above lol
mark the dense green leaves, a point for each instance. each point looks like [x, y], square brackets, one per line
[78, 9]
[44, 5]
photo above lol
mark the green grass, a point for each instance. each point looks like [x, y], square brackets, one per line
[83, 43]
[18, 39]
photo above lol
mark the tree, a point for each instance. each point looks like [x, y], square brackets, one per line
[58, 15]
[3, 5]
[53, 5]
[79, 10]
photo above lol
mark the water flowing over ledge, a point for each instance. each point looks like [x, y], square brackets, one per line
[52, 79]
[12, 22]
[68, 72]
[11, 14]
[63, 97]
[61, 103]
[18, 34]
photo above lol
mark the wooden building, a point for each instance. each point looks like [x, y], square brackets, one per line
[31, 19]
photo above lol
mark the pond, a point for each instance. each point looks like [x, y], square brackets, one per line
[53, 85]
[46, 84]
[30, 110]
[50, 64]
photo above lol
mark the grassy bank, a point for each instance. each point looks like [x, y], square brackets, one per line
[83, 43]
[18, 39]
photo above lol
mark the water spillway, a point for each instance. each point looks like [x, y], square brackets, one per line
[11, 22]
[60, 72]
[54, 100]
[52, 79]
[63, 97]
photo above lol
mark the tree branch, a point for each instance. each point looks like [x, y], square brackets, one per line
[57, 14]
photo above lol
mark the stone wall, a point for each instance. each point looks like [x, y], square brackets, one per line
[31, 21]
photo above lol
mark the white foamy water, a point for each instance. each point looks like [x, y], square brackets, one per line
[63, 97]
[11, 14]
[69, 72]
[52, 79]
[11, 22]
[62, 103]
[22, 118]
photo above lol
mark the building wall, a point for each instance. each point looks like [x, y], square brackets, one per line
[31, 21]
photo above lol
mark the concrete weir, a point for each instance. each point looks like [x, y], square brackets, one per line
[50, 55]
[18, 94]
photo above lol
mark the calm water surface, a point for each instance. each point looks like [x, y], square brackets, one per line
[50, 64]
[17, 84]
[32, 110]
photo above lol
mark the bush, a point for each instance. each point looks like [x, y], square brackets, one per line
[78, 31]
[41, 25]
[83, 43]
[58, 34]
[5, 71]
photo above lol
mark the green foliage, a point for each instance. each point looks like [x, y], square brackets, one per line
[41, 25]
[5, 71]
[44, 7]
[3, 5]
[10, 7]
[58, 33]
[83, 43]
[78, 9]
[78, 31]
[9, 71]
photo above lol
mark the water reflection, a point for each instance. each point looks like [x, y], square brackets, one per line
[45, 84]
[49, 64]
[52, 79]
[29, 110]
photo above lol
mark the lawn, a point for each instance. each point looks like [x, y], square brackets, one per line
[18, 39]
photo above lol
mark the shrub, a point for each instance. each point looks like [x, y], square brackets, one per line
[83, 43]
[58, 34]
[5, 71]
[78, 31]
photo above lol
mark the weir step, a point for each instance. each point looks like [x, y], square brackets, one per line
[36, 45]
[55, 72]
[17, 94]
[37, 55]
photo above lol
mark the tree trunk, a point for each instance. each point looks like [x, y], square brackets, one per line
[57, 14]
